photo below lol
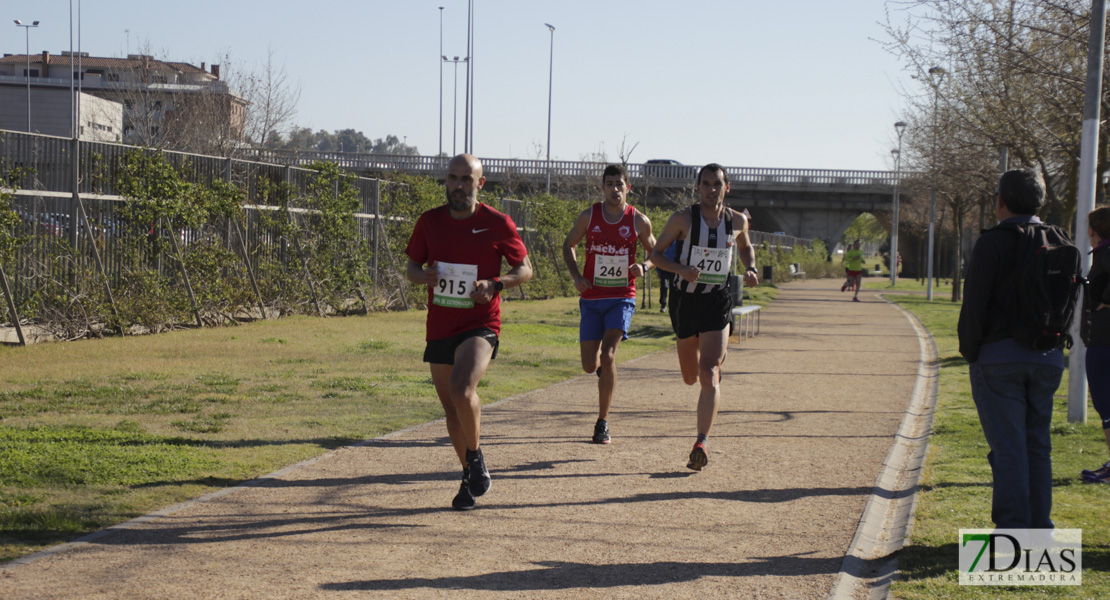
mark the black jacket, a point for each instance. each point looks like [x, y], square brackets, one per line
[988, 291]
[1095, 326]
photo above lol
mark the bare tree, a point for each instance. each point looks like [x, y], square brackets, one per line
[625, 151]
[271, 101]
[1016, 79]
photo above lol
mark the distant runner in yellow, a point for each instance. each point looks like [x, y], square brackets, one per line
[853, 262]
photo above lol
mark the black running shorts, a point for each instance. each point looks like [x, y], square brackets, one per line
[442, 352]
[692, 314]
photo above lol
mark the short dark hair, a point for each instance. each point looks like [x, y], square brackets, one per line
[712, 167]
[611, 170]
[1022, 191]
[1099, 220]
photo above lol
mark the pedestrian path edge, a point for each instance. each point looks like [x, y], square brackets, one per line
[871, 563]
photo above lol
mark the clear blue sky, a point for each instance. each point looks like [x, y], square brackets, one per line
[741, 82]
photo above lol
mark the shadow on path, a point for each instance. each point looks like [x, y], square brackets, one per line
[557, 575]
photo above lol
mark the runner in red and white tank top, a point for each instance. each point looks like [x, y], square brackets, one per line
[611, 229]
[610, 254]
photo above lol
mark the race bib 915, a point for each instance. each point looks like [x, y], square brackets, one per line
[455, 284]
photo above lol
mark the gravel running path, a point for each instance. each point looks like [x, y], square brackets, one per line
[809, 410]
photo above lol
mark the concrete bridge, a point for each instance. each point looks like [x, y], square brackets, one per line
[805, 203]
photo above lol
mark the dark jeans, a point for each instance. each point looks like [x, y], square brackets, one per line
[1014, 402]
[1098, 379]
[666, 280]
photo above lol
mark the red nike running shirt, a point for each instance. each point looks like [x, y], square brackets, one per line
[481, 239]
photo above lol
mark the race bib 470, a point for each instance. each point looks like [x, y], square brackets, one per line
[714, 264]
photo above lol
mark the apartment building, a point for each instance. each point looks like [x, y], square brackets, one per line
[164, 104]
[52, 112]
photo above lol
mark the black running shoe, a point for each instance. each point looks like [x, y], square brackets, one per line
[1099, 475]
[464, 500]
[478, 475]
[698, 457]
[601, 432]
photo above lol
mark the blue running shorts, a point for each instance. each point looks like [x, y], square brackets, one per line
[603, 314]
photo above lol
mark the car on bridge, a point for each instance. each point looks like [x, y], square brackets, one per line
[666, 168]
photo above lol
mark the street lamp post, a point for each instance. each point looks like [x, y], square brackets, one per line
[936, 75]
[27, 72]
[550, 72]
[441, 82]
[900, 127]
[455, 121]
[468, 119]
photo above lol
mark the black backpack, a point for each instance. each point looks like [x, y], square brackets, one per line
[1047, 278]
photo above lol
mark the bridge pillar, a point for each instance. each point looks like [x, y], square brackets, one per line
[825, 224]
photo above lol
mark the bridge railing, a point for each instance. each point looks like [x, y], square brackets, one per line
[501, 167]
[48, 156]
[778, 240]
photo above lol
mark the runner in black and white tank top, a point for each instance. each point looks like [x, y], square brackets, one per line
[708, 249]
[701, 311]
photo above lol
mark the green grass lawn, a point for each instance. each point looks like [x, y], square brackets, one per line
[942, 290]
[956, 493]
[96, 432]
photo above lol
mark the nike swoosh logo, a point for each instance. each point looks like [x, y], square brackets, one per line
[479, 230]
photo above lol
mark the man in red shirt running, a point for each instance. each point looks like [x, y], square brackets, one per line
[456, 250]
[611, 229]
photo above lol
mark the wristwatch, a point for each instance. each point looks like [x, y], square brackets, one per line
[497, 285]
[752, 270]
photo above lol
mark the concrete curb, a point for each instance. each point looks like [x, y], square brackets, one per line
[871, 563]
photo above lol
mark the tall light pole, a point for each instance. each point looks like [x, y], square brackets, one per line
[550, 71]
[455, 121]
[900, 127]
[470, 76]
[936, 75]
[27, 72]
[467, 119]
[1085, 201]
[441, 82]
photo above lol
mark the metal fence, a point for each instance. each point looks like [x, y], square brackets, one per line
[69, 201]
[58, 180]
[51, 168]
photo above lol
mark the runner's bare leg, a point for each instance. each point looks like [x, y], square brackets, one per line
[713, 346]
[457, 388]
[607, 382]
[689, 352]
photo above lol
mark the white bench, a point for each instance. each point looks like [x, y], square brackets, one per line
[745, 320]
[796, 271]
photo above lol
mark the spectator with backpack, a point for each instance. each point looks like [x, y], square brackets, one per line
[1095, 328]
[1012, 382]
